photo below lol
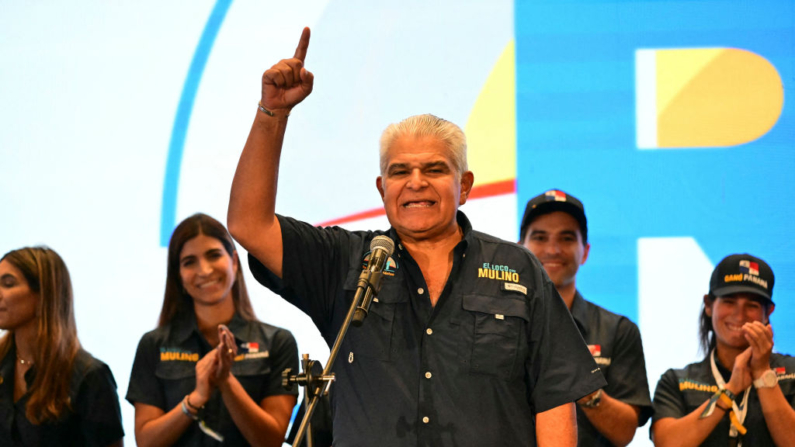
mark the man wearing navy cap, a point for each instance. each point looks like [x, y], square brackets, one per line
[555, 229]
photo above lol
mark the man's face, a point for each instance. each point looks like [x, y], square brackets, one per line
[420, 188]
[556, 240]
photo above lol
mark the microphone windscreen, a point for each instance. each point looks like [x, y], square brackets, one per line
[383, 242]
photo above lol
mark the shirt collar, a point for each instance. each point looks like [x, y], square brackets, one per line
[8, 360]
[579, 311]
[466, 227]
[184, 325]
[7, 390]
[7, 369]
[240, 328]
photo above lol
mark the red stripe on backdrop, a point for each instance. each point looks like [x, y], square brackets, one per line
[493, 189]
[478, 192]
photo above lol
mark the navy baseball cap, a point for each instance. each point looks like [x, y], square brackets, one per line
[550, 201]
[742, 273]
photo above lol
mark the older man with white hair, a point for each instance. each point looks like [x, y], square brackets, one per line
[469, 344]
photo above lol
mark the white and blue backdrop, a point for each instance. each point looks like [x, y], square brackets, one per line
[671, 120]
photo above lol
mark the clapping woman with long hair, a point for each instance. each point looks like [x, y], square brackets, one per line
[210, 370]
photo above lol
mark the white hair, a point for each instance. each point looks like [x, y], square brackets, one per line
[427, 126]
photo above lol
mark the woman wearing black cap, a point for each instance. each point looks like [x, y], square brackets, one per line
[741, 393]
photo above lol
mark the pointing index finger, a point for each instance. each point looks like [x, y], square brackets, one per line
[303, 45]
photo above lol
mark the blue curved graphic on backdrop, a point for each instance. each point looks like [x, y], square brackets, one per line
[181, 121]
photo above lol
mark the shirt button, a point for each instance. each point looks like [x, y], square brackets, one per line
[420, 290]
[464, 255]
[400, 246]
[429, 331]
[428, 375]
[426, 419]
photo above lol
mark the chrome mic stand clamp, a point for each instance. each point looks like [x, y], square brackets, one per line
[315, 383]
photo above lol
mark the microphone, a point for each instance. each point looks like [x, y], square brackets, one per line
[381, 247]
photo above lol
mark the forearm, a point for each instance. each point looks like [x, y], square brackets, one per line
[615, 420]
[557, 427]
[252, 204]
[164, 430]
[779, 415]
[689, 430]
[258, 426]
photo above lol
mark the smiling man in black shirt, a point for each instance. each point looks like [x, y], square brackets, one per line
[555, 229]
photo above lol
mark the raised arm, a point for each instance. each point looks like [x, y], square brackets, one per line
[251, 217]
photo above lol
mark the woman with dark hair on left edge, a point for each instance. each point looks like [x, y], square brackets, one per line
[210, 371]
[52, 392]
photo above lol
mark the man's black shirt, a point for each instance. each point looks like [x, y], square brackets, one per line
[499, 346]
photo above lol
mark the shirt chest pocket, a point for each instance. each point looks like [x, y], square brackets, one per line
[177, 379]
[374, 339]
[254, 374]
[498, 337]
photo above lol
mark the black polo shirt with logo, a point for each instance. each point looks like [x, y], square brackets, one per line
[164, 371]
[614, 342]
[93, 420]
[681, 391]
[499, 346]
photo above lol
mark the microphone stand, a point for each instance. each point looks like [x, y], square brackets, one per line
[311, 380]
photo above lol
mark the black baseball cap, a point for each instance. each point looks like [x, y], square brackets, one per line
[550, 201]
[742, 273]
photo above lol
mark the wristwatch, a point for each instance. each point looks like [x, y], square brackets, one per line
[767, 380]
[594, 401]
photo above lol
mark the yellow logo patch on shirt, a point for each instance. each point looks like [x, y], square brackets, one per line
[176, 355]
[498, 273]
[687, 384]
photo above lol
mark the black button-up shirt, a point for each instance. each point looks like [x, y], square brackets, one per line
[616, 346]
[93, 420]
[680, 391]
[164, 371]
[498, 347]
